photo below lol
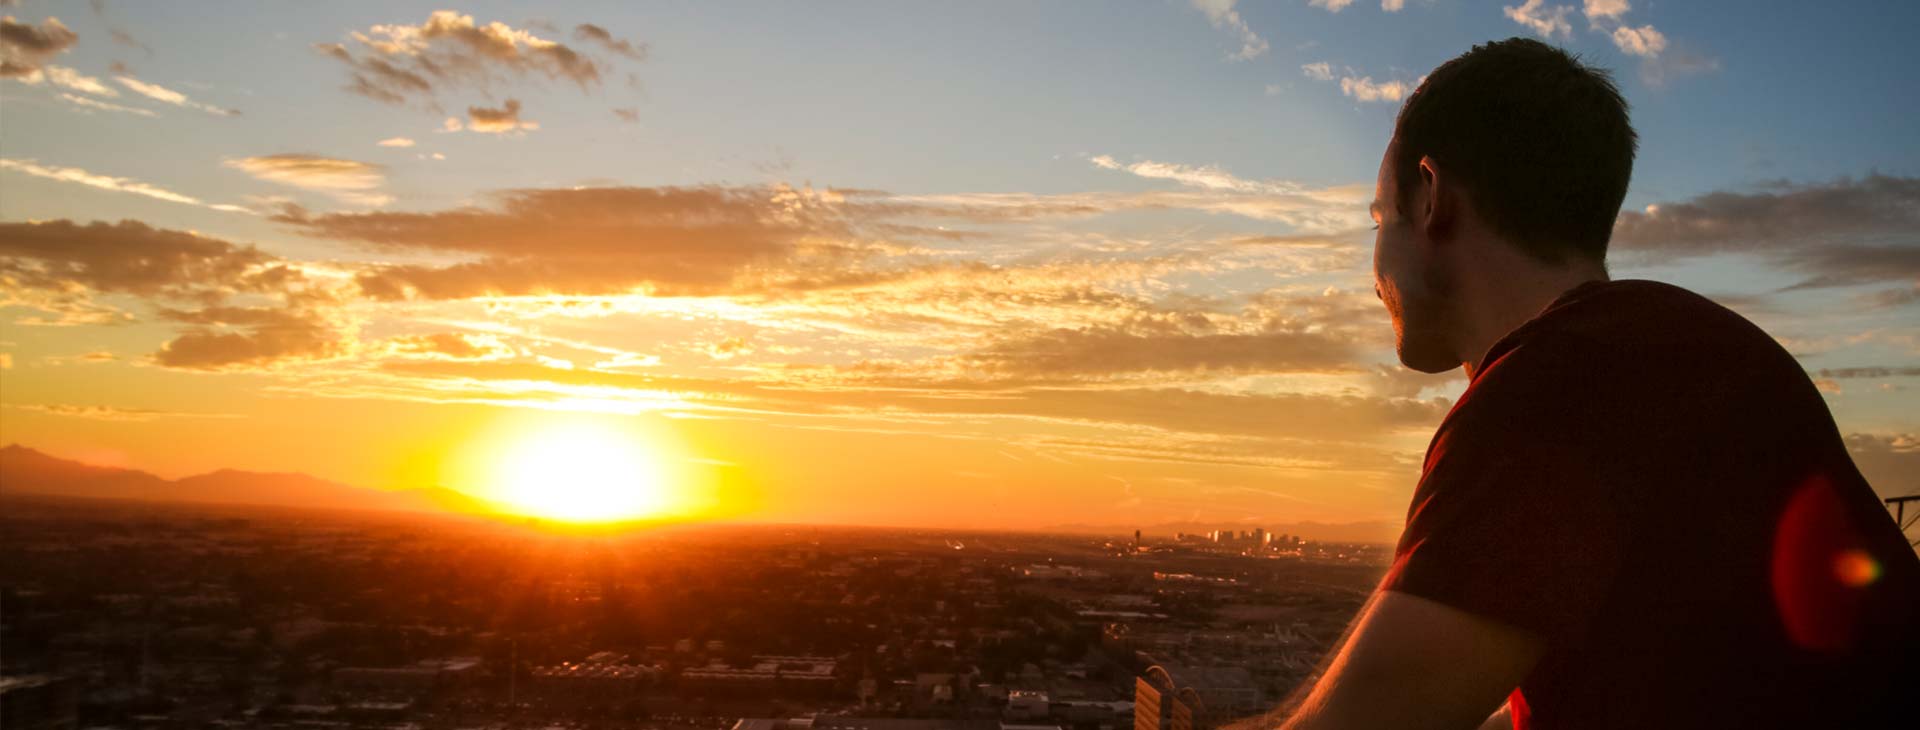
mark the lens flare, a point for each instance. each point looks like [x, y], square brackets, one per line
[1856, 568]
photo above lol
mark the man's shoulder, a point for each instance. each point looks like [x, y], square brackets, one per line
[1604, 325]
[1637, 313]
[1628, 347]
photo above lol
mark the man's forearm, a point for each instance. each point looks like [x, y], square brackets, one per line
[1499, 720]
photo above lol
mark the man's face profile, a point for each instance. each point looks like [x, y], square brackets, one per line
[1408, 278]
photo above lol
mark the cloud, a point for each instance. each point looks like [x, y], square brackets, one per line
[1845, 232]
[1843, 265]
[87, 103]
[1597, 10]
[347, 180]
[396, 142]
[1365, 88]
[1335, 6]
[1676, 63]
[591, 240]
[504, 120]
[1223, 17]
[1321, 419]
[126, 39]
[629, 115]
[118, 34]
[397, 64]
[111, 413]
[1777, 215]
[163, 94]
[67, 78]
[1392, 6]
[24, 46]
[1311, 210]
[1889, 461]
[167, 268]
[770, 240]
[1357, 87]
[223, 338]
[596, 34]
[1542, 19]
[106, 182]
[1908, 371]
[451, 346]
[1205, 177]
[729, 348]
[1153, 347]
[1643, 41]
[128, 257]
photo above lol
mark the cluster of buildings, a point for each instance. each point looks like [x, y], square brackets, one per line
[1257, 539]
[201, 617]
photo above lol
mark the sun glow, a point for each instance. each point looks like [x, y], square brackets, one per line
[580, 473]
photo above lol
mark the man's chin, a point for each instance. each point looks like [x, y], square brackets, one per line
[1431, 363]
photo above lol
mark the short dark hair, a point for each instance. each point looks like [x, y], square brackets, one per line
[1540, 140]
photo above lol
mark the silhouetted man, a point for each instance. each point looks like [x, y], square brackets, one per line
[1640, 513]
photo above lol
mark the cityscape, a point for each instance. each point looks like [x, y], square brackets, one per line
[173, 615]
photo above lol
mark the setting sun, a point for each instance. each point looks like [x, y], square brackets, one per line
[580, 473]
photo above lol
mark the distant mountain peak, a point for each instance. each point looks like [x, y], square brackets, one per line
[25, 470]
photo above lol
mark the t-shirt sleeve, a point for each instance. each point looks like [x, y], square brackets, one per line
[1509, 520]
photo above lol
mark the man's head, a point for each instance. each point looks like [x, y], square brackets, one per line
[1514, 147]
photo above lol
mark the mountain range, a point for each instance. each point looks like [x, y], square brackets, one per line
[27, 471]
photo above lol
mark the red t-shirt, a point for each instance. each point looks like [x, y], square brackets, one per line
[1650, 483]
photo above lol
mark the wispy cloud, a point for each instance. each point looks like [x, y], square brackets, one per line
[1546, 20]
[165, 95]
[87, 103]
[67, 78]
[396, 142]
[1206, 177]
[111, 413]
[399, 64]
[348, 180]
[504, 120]
[1334, 6]
[1222, 15]
[108, 182]
[596, 34]
[1358, 87]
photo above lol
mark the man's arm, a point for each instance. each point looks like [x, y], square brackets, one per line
[1415, 663]
[1501, 719]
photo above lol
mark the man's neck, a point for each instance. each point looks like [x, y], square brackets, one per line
[1501, 304]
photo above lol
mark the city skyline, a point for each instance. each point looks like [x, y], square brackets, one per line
[1008, 267]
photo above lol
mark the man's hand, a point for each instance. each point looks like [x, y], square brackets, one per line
[1414, 663]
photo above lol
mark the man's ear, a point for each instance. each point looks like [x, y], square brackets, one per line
[1435, 217]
